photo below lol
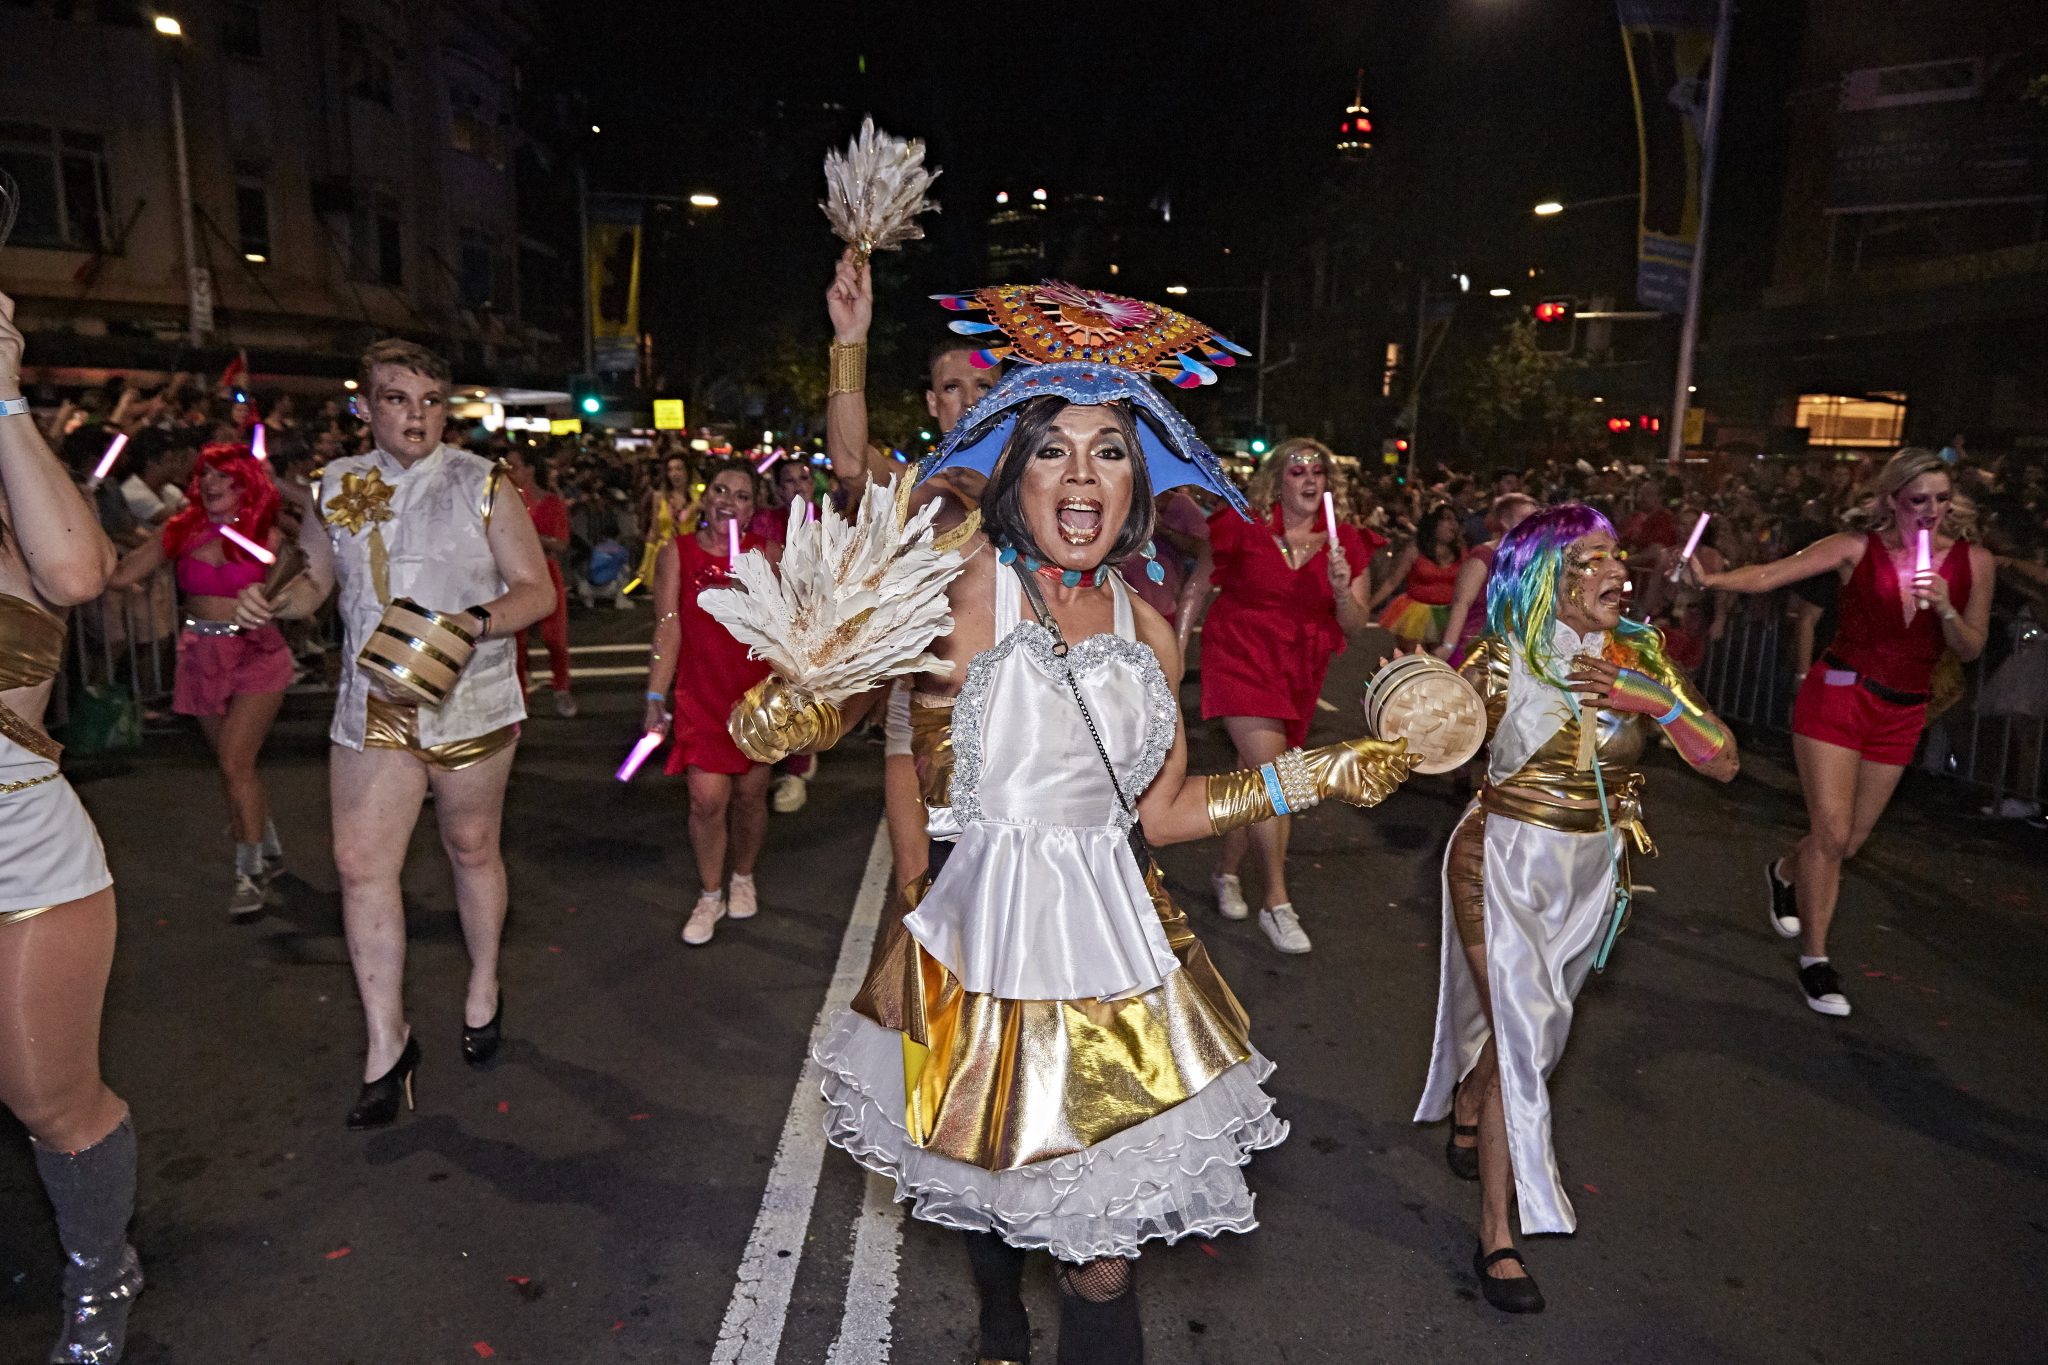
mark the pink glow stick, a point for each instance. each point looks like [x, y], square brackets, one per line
[732, 539]
[262, 555]
[1330, 517]
[646, 745]
[1923, 559]
[257, 447]
[771, 457]
[1692, 542]
[107, 460]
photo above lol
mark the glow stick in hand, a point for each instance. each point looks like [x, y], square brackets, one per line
[262, 555]
[257, 447]
[646, 745]
[732, 539]
[1923, 561]
[107, 460]
[1692, 542]
[1330, 518]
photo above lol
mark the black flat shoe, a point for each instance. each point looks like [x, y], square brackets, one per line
[480, 1045]
[377, 1106]
[1463, 1161]
[1509, 1296]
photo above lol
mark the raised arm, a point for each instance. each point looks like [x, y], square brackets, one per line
[851, 303]
[1829, 554]
[68, 556]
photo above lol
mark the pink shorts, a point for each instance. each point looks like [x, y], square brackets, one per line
[212, 669]
[1834, 709]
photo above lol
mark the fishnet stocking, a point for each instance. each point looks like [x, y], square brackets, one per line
[1102, 1281]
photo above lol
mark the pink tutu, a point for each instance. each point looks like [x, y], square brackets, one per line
[213, 669]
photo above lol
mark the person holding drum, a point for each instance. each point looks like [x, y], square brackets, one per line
[1536, 873]
[438, 567]
[233, 681]
[1284, 607]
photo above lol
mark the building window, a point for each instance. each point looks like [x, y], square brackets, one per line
[241, 29]
[65, 202]
[252, 213]
[477, 267]
[1834, 419]
[365, 65]
[390, 244]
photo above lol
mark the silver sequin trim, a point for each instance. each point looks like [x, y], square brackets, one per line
[1162, 713]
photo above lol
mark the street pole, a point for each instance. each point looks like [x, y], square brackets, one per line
[198, 290]
[1259, 391]
[1688, 335]
[583, 270]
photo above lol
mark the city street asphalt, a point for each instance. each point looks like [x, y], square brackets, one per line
[638, 1179]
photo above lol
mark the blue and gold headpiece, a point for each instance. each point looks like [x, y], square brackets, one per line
[1090, 347]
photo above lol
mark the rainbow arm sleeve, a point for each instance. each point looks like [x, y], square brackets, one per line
[1695, 732]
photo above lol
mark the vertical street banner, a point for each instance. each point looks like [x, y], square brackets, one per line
[614, 267]
[1670, 48]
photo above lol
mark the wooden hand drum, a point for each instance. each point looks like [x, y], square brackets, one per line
[417, 654]
[1420, 698]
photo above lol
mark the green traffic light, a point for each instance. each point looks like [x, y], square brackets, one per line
[924, 435]
[592, 403]
[1258, 445]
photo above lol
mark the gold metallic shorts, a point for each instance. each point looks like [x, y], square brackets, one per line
[387, 725]
[1465, 877]
[17, 916]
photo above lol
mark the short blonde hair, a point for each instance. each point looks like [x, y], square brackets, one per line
[1264, 488]
[1872, 509]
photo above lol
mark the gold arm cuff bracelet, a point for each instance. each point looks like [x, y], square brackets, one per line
[849, 367]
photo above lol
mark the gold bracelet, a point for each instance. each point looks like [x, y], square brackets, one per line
[1295, 782]
[849, 368]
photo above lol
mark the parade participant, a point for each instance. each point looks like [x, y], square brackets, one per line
[790, 481]
[536, 484]
[1861, 708]
[1466, 620]
[1283, 611]
[56, 895]
[1427, 572]
[1536, 874]
[728, 794]
[418, 520]
[1043, 1056]
[232, 680]
[953, 384]
[667, 509]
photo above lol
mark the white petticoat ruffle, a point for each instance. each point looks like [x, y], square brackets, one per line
[1176, 1175]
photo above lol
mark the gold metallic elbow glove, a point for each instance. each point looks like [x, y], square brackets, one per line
[774, 720]
[1358, 772]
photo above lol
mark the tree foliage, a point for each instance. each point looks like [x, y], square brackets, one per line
[1515, 396]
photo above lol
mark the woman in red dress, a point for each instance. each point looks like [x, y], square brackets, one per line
[1861, 708]
[1284, 607]
[1428, 573]
[551, 521]
[728, 794]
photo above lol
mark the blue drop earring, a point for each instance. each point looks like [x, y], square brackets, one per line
[1007, 557]
[1154, 570]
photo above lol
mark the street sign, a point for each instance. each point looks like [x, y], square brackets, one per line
[1695, 426]
[668, 414]
[565, 426]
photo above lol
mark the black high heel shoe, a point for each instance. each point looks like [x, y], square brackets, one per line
[377, 1106]
[480, 1045]
[1519, 1295]
[1463, 1161]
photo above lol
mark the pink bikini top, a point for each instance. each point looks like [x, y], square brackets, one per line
[201, 579]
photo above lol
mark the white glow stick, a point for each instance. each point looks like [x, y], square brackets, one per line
[1692, 542]
[256, 444]
[107, 460]
[732, 539]
[1330, 517]
[1924, 560]
[646, 745]
[251, 546]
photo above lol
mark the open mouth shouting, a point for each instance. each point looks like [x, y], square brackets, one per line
[1611, 595]
[1080, 520]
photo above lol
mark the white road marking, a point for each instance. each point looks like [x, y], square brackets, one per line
[865, 1326]
[1322, 705]
[759, 1307]
[540, 651]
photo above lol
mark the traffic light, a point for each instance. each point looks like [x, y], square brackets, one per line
[1556, 328]
[1618, 425]
[586, 395]
[591, 404]
[1394, 450]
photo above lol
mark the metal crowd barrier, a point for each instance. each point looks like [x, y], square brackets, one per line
[1747, 676]
[127, 639]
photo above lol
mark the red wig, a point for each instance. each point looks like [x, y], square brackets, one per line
[256, 503]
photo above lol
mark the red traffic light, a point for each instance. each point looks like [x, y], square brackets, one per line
[1619, 424]
[1401, 444]
[1553, 310]
[1650, 423]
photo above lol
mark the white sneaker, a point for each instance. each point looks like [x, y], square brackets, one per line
[703, 921]
[788, 795]
[248, 899]
[740, 900]
[565, 706]
[2013, 808]
[1283, 926]
[1229, 896]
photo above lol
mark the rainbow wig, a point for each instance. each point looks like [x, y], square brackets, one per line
[1521, 591]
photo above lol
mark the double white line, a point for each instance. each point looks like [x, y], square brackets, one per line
[759, 1307]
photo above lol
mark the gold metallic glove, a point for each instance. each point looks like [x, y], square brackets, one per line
[774, 720]
[1358, 772]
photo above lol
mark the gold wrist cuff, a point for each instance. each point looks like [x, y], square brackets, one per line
[849, 367]
[1237, 799]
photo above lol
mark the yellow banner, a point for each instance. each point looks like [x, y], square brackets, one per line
[668, 414]
[614, 267]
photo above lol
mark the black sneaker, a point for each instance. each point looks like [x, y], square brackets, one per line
[1784, 902]
[1823, 990]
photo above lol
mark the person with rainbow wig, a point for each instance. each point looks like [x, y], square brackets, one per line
[1536, 874]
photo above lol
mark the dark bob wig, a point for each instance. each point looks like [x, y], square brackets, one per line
[1002, 505]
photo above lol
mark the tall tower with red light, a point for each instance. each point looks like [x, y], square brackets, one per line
[1354, 134]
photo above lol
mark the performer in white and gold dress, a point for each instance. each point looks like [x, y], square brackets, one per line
[1536, 873]
[427, 523]
[1043, 1056]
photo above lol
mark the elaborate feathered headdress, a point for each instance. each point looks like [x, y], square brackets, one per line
[1087, 346]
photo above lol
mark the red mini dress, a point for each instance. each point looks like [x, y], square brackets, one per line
[712, 668]
[1269, 638]
[1873, 642]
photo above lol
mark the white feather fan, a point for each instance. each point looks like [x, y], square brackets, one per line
[876, 189]
[854, 605]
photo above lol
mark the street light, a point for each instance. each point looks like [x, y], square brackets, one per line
[169, 27]
[1550, 208]
[1176, 289]
[1498, 293]
[701, 200]
[1547, 208]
